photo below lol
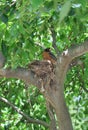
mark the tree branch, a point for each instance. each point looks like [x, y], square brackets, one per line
[30, 120]
[78, 50]
[25, 74]
[19, 73]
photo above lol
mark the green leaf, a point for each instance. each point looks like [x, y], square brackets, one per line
[64, 11]
[83, 2]
[36, 3]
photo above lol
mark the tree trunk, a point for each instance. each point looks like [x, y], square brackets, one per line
[63, 117]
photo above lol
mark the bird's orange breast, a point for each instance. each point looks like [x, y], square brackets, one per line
[49, 56]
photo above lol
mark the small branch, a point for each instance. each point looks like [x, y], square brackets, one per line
[30, 120]
[53, 33]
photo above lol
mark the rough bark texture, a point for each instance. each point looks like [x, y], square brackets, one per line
[50, 80]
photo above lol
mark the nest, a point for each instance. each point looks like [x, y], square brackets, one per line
[44, 70]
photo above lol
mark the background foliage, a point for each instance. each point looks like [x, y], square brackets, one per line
[25, 30]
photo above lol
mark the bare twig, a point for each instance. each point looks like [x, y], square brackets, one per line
[30, 120]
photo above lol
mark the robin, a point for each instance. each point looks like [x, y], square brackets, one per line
[48, 55]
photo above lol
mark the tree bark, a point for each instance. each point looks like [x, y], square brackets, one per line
[63, 117]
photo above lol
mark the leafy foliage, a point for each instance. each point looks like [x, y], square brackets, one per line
[25, 30]
[27, 99]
